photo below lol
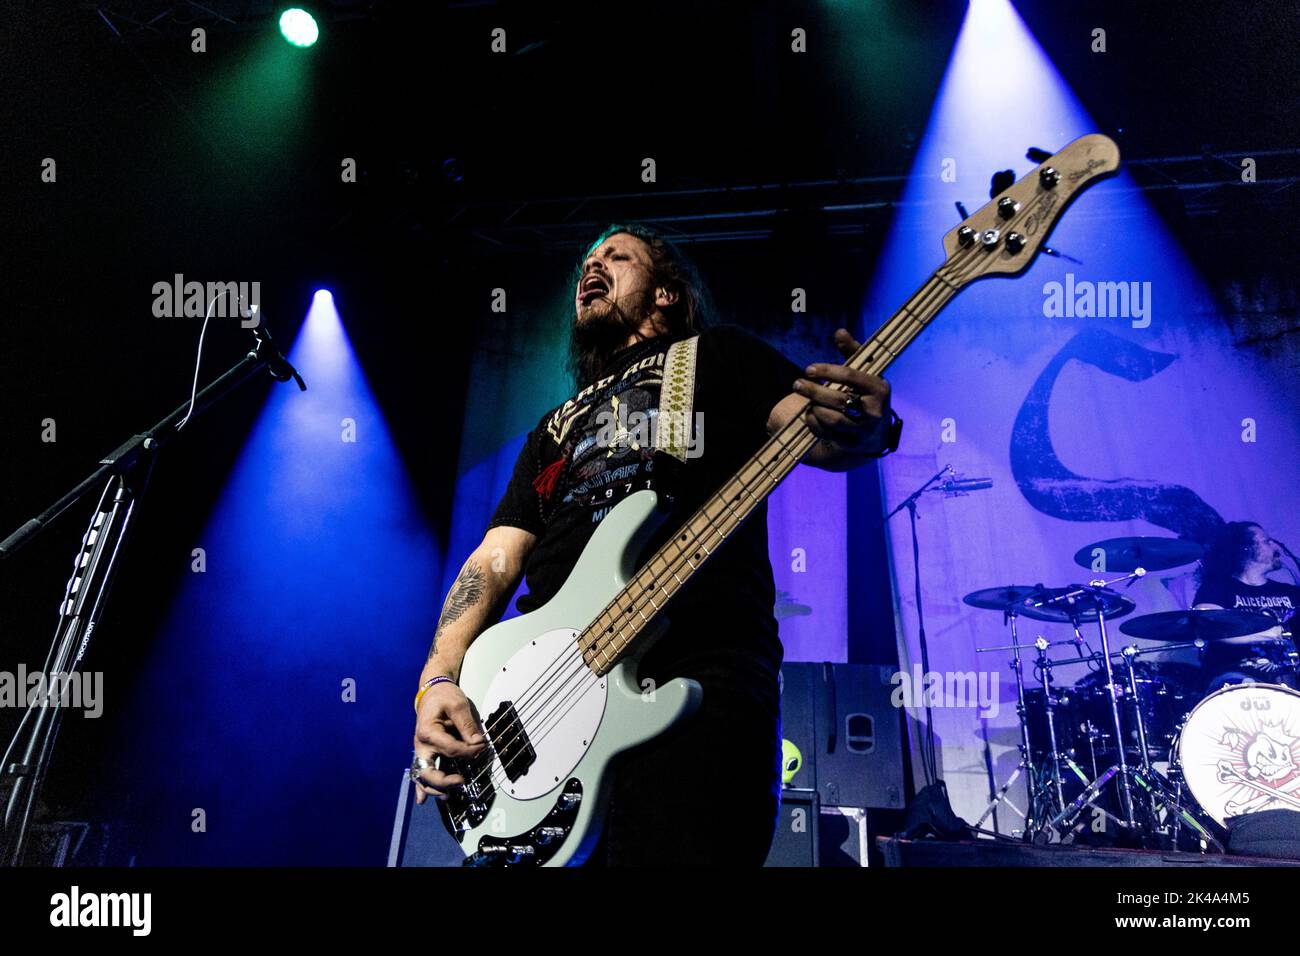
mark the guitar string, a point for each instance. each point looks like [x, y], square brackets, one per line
[890, 339]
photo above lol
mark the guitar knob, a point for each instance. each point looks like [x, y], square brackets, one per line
[965, 236]
[568, 801]
[1015, 242]
[520, 853]
[547, 835]
[1049, 177]
[1007, 207]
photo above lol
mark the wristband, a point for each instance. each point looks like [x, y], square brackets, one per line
[894, 434]
[427, 684]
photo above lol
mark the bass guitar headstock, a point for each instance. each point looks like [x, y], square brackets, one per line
[1006, 235]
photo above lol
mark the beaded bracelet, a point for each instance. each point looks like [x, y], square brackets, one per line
[427, 684]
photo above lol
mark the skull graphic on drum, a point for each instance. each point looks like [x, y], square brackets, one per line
[1269, 757]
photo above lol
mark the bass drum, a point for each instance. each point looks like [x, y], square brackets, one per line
[1239, 750]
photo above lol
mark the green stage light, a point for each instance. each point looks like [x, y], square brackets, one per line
[299, 27]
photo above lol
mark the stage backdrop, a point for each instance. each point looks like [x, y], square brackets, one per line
[1093, 422]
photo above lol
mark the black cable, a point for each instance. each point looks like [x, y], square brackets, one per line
[929, 761]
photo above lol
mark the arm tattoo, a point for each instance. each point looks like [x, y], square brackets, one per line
[464, 594]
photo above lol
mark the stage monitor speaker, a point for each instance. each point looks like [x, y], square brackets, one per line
[848, 734]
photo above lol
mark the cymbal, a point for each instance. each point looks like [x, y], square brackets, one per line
[1082, 607]
[1001, 598]
[1129, 554]
[1209, 625]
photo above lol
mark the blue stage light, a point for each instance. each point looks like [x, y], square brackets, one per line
[275, 698]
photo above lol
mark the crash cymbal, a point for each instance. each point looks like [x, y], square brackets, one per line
[1233, 627]
[1129, 554]
[1002, 598]
[1081, 607]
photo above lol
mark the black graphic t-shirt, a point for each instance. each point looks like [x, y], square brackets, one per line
[1272, 597]
[1266, 661]
[586, 456]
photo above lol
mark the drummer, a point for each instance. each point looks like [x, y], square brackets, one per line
[1234, 575]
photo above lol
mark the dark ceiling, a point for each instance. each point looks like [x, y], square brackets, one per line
[170, 161]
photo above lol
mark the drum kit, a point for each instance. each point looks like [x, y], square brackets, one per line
[1159, 761]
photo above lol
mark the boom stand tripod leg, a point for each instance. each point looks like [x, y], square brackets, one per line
[78, 616]
[1001, 797]
[1093, 790]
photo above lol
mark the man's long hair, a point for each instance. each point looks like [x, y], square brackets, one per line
[1229, 552]
[671, 269]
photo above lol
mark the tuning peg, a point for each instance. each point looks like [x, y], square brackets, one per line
[1002, 181]
[1036, 155]
[961, 210]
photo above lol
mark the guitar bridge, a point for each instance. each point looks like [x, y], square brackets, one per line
[467, 806]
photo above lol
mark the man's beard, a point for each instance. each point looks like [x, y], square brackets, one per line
[599, 335]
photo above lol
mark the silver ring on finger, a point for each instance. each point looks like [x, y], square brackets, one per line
[418, 766]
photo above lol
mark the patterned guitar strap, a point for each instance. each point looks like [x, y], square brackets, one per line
[677, 399]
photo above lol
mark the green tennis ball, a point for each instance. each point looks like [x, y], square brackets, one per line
[791, 761]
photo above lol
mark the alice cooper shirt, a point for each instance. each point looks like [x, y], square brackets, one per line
[588, 454]
[1267, 660]
[1272, 597]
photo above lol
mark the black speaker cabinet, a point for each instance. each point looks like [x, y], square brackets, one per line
[848, 733]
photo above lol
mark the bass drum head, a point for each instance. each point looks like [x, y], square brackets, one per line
[1238, 746]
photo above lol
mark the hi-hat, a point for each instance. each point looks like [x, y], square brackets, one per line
[1080, 608]
[1002, 598]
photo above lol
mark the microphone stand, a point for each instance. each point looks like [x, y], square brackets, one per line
[928, 761]
[124, 474]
